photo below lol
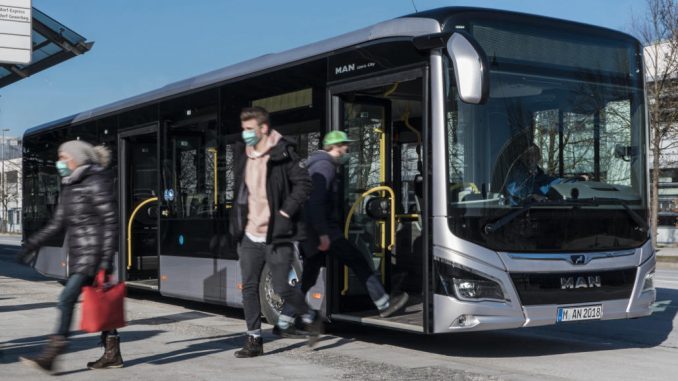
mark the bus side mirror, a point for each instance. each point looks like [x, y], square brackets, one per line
[471, 68]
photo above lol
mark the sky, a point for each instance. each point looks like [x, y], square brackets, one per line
[141, 45]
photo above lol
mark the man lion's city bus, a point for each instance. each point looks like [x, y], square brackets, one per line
[442, 105]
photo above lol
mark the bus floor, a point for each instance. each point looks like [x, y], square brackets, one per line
[413, 314]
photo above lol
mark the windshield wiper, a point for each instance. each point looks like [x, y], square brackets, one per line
[498, 224]
[595, 201]
[642, 224]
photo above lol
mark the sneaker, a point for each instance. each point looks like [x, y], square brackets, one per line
[291, 332]
[396, 304]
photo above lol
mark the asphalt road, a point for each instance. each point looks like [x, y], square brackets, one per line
[183, 340]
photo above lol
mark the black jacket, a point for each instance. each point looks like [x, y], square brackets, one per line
[287, 188]
[321, 211]
[88, 211]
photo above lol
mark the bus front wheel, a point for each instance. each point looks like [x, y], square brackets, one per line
[271, 302]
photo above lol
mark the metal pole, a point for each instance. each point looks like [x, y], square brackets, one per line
[2, 181]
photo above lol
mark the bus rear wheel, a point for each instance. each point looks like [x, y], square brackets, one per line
[271, 302]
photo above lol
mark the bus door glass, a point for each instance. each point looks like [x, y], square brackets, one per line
[139, 205]
[381, 209]
[190, 233]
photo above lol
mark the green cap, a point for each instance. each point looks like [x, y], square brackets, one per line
[336, 137]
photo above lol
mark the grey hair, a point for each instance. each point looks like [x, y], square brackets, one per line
[84, 153]
[102, 155]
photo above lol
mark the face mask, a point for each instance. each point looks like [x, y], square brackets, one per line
[343, 159]
[250, 137]
[62, 168]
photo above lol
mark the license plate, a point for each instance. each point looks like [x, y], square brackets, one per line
[580, 313]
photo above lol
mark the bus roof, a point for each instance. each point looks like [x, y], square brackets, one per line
[413, 25]
[402, 27]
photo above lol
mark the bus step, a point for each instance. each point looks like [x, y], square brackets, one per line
[148, 262]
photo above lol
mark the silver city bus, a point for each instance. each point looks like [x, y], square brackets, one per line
[498, 175]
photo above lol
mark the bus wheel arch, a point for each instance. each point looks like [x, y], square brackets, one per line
[270, 301]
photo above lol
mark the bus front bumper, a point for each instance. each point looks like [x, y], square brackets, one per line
[452, 315]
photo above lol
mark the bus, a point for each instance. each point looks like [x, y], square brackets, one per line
[442, 105]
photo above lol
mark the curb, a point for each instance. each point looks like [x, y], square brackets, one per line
[667, 265]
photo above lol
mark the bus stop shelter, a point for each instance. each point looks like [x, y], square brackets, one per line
[52, 43]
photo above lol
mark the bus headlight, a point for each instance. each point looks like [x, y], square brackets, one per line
[648, 285]
[465, 284]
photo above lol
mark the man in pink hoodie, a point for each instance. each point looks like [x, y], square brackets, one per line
[272, 185]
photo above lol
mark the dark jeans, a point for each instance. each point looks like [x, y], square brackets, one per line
[68, 298]
[253, 256]
[348, 255]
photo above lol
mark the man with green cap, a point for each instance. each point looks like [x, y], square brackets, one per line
[324, 236]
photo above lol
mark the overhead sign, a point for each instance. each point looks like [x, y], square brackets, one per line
[15, 31]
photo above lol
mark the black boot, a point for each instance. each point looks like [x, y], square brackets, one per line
[254, 346]
[45, 360]
[111, 357]
[314, 330]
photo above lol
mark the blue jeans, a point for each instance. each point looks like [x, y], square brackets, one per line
[349, 255]
[67, 299]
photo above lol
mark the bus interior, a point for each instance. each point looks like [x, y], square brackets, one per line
[385, 123]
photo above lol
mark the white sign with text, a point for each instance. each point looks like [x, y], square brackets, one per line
[15, 31]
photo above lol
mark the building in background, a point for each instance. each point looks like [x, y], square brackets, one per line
[667, 213]
[10, 184]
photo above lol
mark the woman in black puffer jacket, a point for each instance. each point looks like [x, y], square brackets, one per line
[88, 212]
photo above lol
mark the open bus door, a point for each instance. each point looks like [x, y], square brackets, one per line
[381, 210]
[138, 199]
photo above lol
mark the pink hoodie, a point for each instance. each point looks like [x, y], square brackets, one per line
[255, 180]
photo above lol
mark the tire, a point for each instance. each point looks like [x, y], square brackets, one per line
[271, 302]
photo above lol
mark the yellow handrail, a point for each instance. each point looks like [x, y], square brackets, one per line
[129, 229]
[392, 89]
[381, 188]
[406, 121]
[411, 216]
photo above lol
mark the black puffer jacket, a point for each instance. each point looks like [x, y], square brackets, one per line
[287, 188]
[88, 211]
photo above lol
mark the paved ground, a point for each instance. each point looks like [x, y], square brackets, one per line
[179, 340]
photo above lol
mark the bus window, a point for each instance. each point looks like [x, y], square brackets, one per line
[191, 160]
[42, 181]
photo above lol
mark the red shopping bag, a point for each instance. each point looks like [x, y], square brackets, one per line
[103, 309]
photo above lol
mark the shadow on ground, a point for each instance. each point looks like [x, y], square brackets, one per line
[576, 337]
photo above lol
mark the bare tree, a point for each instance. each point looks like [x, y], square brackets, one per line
[657, 29]
[9, 190]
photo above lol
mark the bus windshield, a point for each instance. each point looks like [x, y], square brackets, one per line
[555, 159]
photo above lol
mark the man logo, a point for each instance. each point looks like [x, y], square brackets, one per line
[344, 69]
[573, 282]
[578, 259]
